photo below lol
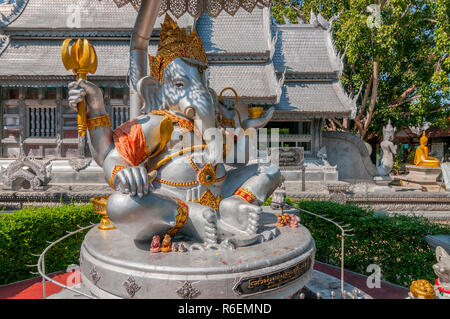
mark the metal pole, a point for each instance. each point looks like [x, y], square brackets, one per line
[342, 264]
[140, 39]
[44, 294]
[303, 178]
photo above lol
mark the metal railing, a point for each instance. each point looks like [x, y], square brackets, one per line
[41, 264]
[343, 228]
[344, 232]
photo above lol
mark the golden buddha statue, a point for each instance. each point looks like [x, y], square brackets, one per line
[421, 158]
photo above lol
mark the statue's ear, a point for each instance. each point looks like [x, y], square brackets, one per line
[441, 253]
[214, 96]
[149, 89]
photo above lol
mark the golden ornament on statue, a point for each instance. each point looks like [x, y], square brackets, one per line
[230, 121]
[99, 203]
[422, 289]
[82, 60]
[176, 43]
[255, 112]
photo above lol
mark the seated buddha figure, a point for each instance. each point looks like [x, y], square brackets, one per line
[421, 158]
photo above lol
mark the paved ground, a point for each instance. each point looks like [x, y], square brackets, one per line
[32, 288]
[386, 291]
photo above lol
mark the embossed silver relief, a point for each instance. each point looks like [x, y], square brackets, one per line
[95, 277]
[78, 164]
[131, 286]
[26, 168]
[187, 291]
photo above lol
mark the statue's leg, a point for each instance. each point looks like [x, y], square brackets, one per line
[156, 214]
[142, 218]
[240, 211]
[201, 225]
[261, 180]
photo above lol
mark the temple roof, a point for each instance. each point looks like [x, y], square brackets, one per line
[39, 60]
[254, 83]
[304, 50]
[316, 98]
[244, 52]
[244, 36]
[42, 58]
[62, 14]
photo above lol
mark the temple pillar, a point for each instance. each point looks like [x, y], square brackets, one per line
[59, 123]
[23, 121]
[2, 96]
[316, 141]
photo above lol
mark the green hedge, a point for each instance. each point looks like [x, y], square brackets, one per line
[26, 232]
[396, 243]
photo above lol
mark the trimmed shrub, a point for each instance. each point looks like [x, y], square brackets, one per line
[26, 232]
[396, 244]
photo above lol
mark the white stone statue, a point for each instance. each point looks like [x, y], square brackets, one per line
[388, 150]
[442, 270]
[323, 155]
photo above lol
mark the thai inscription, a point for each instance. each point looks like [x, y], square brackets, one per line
[254, 285]
[288, 157]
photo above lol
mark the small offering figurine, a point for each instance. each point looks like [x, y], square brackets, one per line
[287, 220]
[294, 220]
[283, 220]
[166, 244]
[155, 246]
[174, 247]
[181, 248]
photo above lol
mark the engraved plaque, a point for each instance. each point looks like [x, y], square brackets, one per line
[291, 158]
[278, 279]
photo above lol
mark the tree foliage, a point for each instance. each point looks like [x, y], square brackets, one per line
[396, 244]
[397, 51]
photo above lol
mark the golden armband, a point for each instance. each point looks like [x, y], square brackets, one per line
[245, 194]
[116, 169]
[98, 121]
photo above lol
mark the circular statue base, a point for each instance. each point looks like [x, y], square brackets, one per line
[113, 267]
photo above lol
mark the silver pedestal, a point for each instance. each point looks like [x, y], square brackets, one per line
[113, 267]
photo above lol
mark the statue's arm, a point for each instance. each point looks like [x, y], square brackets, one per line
[98, 123]
[134, 142]
[121, 176]
[393, 148]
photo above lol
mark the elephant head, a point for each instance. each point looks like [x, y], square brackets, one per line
[182, 91]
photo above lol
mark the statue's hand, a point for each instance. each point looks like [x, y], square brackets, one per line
[134, 181]
[82, 89]
[260, 122]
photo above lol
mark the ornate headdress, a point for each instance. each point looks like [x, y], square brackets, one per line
[424, 139]
[175, 43]
[388, 130]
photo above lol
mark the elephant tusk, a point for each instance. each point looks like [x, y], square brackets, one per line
[190, 113]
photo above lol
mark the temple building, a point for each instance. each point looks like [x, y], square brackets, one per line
[294, 67]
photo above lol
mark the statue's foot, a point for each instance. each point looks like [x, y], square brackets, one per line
[210, 225]
[239, 216]
[202, 224]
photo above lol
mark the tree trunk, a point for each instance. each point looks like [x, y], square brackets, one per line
[373, 99]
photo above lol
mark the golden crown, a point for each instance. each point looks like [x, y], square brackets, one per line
[175, 43]
[423, 139]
